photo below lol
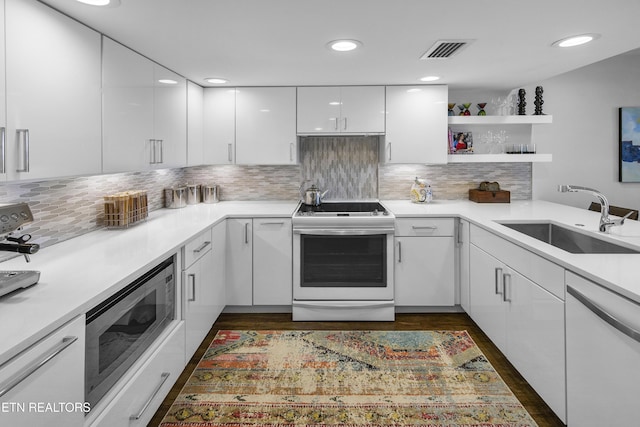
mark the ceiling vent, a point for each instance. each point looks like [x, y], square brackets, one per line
[443, 49]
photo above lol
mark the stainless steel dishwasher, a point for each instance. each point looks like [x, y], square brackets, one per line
[603, 355]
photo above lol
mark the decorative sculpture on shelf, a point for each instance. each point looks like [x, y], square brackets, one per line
[538, 102]
[521, 102]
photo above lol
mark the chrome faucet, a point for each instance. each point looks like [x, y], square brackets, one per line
[605, 222]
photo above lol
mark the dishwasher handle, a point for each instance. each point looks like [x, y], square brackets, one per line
[604, 314]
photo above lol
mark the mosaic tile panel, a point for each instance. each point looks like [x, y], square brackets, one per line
[346, 166]
[69, 207]
[253, 182]
[453, 181]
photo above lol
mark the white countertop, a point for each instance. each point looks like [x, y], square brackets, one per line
[79, 273]
[615, 271]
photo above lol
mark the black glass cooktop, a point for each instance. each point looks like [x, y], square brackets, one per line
[343, 207]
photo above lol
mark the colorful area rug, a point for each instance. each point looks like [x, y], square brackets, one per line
[345, 378]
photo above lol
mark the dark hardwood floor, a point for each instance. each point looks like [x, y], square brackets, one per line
[436, 321]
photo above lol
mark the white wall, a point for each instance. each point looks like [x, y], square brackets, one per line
[584, 135]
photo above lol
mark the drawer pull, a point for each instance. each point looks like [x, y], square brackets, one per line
[38, 363]
[201, 247]
[163, 378]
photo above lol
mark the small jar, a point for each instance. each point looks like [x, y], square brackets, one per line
[210, 193]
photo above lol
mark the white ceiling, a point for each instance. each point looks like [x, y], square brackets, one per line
[282, 42]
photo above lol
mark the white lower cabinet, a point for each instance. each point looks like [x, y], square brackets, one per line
[425, 257]
[272, 261]
[43, 385]
[259, 261]
[203, 286]
[138, 400]
[463, 263]
[239, 261]
[523, 319]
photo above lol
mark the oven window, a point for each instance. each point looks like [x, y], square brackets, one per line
[122, 338]
[343, 261]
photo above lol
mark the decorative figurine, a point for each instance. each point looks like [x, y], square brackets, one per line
[521, 102]
[481, 111]
[466, 111]
[451, 112]
[538, 102]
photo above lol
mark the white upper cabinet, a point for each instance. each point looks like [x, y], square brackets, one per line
[416, 130]
[219, 139]
[266, 126]
[169, 118]
[195, 123]
[53, 95]
[344, 109]
[145, 120]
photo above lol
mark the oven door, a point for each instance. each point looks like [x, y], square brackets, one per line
[121, 328]
[343, 264]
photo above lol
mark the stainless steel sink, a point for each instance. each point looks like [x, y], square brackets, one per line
[567, 239]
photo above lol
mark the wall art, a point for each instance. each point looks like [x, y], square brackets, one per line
[629, 169]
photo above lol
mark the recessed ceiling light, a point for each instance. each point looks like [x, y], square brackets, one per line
[167, 82]
[216, 80]
[575, 40]
[344, 45]
[430, 78]
[110, 3]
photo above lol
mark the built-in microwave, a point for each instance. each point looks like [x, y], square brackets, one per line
[122, 327]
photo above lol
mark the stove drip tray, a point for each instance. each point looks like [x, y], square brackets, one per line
[12, 280]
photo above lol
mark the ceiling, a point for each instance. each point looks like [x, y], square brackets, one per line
[283, 42]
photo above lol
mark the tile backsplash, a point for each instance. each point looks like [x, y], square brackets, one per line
[347, 166]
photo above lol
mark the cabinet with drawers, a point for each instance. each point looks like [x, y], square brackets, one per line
[424, 262]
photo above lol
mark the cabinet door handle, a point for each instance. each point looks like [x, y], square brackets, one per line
[246, 233]
[23, 135]
[163, 379]
[38, 363]
[345, 124]
[3, 150]
[229, 154]
[389, 151]
[201, 247]
[160, 142]
[498, 274]
[459, 233]
[424, 227]
[193, 287]
[272, 223]
[506, 276]
[399, 252]
[152, 151]
[291, 152]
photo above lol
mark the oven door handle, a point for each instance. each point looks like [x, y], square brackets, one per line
[344, 231]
